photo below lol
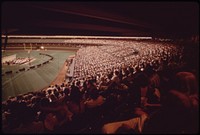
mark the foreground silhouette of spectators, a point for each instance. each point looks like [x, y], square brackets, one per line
[179, 113]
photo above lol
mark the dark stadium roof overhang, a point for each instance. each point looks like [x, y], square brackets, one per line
[157, 19]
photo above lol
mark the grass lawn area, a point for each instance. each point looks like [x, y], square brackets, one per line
[33, 79]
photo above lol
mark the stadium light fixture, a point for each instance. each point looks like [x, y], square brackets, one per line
[42, 47]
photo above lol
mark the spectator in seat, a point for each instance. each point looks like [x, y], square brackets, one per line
[76, 103]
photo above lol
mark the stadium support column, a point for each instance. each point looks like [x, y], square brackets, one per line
[31, 46]
[29, 57]
[24, 46]
[58, 61]
[6, 40]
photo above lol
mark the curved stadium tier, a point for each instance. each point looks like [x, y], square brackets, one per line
[95, 56]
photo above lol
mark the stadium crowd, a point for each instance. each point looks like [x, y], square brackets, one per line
[96, 60]
[127, 88]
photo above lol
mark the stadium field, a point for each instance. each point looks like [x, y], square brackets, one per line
[32, 79]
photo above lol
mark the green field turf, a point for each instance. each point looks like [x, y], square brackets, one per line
[33, 79]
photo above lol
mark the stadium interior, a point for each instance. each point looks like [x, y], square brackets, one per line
[100, 67]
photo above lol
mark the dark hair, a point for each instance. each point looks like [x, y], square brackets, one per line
[44, 101]
[75, 94]
[78, 83]
[28, 115]
[90, 82]
[141, 80]
[117, 72]
[94, 94]
[131, 70]
[66, 91]
[49, 91]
